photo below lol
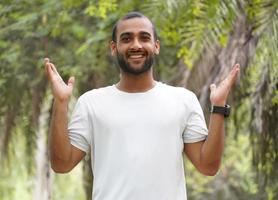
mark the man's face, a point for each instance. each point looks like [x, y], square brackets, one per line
[135, 47]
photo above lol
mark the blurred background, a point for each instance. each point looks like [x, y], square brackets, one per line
[201, 40]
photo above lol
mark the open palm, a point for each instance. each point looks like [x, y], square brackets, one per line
[219, 94]
[61, 91]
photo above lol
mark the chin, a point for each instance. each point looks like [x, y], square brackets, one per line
[135, 68]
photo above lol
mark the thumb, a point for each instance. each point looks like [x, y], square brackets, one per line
[212, 87]
[71, 82]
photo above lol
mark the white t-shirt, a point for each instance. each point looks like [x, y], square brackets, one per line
[136, 140]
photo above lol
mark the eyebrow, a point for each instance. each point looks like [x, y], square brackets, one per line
[130, 33]
[125, 34]
[145, 33]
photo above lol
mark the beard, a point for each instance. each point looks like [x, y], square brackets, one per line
[127, 68]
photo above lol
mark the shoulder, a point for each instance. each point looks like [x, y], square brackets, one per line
[96, 93]
[175, 90]
[183, 96]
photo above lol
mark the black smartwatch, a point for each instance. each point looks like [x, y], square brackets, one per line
[221, 110]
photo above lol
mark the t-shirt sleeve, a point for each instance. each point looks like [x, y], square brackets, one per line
[79, 127]
[195, 128]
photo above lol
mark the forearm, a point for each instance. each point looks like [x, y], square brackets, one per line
[206, 155]
[212, 148]
[60, 147]
[63, 155]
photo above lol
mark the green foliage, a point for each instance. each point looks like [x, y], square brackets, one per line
[15, 180]
[102, 9]
[194, 25]
[75, 36]
[261, 13]
[63, 190]
[235, 179]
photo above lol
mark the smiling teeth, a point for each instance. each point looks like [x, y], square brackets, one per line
[136, 56]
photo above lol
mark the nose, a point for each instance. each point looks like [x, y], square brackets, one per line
[136, 44]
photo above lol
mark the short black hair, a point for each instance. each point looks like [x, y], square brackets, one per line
[131, 15]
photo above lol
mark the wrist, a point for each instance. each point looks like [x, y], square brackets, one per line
[60, 103]
[218, 103]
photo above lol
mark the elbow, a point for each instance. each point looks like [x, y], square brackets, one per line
[60, 170]
[210, 170]
[60, 167]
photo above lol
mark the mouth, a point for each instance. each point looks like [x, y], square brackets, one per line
[136, 55]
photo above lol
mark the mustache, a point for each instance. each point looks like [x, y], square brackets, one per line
[133, 52]
[122, 63]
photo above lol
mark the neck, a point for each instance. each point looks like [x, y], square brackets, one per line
[136, 83]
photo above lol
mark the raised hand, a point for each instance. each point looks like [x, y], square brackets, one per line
[219, 94]
[61, 91]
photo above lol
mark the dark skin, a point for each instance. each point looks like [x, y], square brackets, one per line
[135, 41]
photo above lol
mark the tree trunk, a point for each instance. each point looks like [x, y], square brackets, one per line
[216, 62]
[87, 177]
[212, 67]
[43, 172]
[8, 124]
[264, 137]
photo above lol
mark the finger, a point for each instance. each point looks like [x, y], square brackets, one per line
[235, 68]
[52, 72]
[46, 61]
[54, 68]
[71, 81]
[49, 71]
[212, 87]
[48, 67]
[233, 74]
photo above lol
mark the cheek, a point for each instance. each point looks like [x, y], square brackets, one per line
[152, 51]
[122, 49]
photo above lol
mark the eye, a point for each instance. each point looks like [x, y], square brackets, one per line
[125, 39]
[145, 38]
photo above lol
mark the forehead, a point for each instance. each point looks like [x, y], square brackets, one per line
[135, 26]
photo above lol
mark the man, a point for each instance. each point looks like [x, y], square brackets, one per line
[137, 130]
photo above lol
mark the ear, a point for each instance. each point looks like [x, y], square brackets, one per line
[113, 48]
[157, 47]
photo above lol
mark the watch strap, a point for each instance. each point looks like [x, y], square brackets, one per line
[224, 110]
